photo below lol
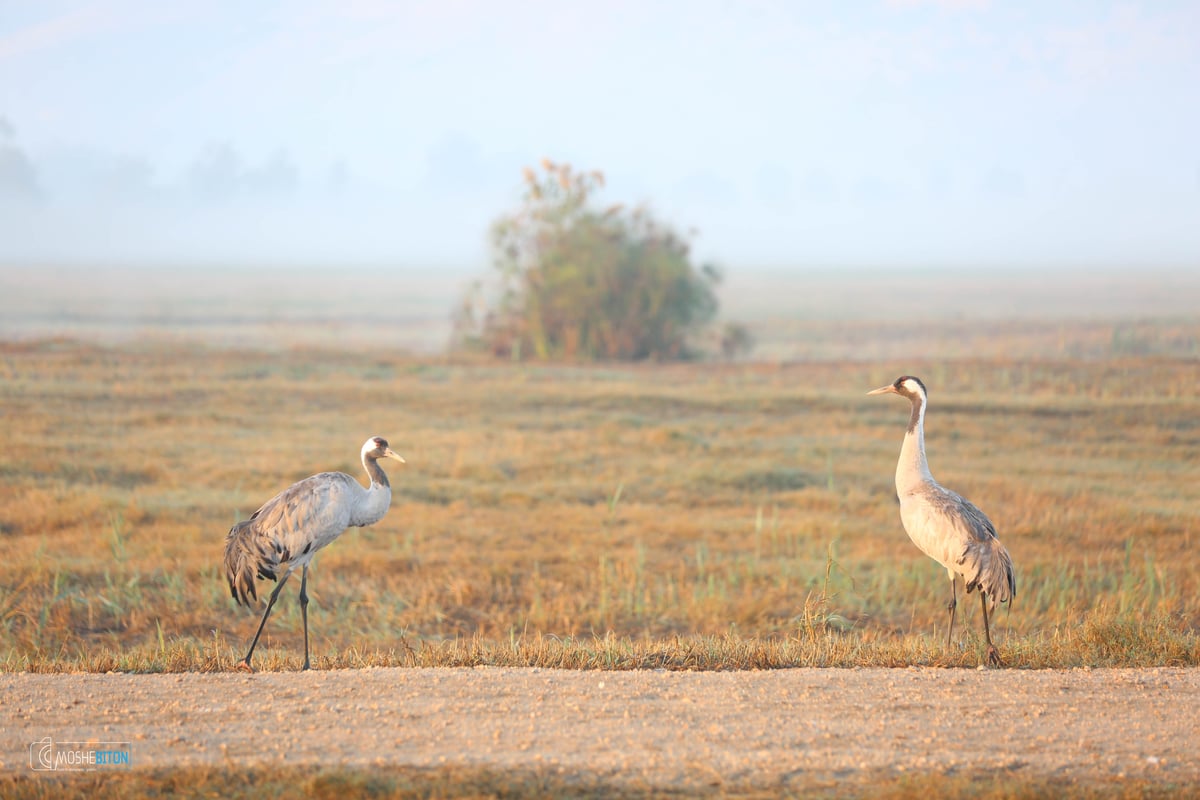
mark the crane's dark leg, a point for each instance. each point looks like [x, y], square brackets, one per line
[245, 664]
[993, 655]
[953, 604]
[304, 610]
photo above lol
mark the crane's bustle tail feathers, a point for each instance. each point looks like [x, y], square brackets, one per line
[994, 575]
[244, 561]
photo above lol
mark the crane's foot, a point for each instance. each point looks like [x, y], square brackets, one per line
[306, 665]
[993, 656]
[244, 666]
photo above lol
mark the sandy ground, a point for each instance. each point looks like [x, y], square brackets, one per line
[793, 728]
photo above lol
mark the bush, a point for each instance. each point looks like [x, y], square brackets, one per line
[576, 282]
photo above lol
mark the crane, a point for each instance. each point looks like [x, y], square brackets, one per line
[946, 526]
[293, 525]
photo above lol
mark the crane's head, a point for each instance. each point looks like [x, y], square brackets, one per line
[905, 386]
[377, 447]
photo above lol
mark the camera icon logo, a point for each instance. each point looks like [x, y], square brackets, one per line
[41, 754]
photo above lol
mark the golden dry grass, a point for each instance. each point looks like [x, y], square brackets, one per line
[687, 516]
[464, 781]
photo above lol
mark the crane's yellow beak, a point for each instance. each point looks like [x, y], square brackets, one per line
[390, 453]
[889, 389]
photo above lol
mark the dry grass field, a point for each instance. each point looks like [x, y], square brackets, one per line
[701, 515]
[696, 516]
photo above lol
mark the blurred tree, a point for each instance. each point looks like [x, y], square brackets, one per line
[18, 176]
[576, 282]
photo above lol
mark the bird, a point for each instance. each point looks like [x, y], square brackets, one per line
[945, 525]
[292, 526]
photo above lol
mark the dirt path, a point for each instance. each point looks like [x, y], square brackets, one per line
[791, 728]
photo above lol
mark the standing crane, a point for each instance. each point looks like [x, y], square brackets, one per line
[946, 526]
[293, 525]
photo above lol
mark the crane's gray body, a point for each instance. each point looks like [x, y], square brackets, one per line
[292, 526]
[946, 526]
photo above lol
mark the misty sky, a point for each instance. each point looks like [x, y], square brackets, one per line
[904, 133]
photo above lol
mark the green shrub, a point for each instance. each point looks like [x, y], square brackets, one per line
[580, 283]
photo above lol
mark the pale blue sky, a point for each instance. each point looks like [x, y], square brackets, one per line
[907, 133]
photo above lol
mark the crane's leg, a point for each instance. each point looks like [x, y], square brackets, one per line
[304, 610]
[953, 604]
[993, 655]
[245, 664]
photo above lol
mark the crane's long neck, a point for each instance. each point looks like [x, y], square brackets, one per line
[375, 473]
[376, 499]
[912, 471]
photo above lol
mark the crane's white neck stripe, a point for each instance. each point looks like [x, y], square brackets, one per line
[913, 469]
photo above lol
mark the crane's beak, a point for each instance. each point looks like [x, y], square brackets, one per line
[889, 389]
[390, 453]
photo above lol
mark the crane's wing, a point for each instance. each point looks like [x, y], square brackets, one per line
[981, 559]
[291, 525]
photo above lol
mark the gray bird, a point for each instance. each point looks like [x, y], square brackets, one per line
[293, 525]
[946, 526]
